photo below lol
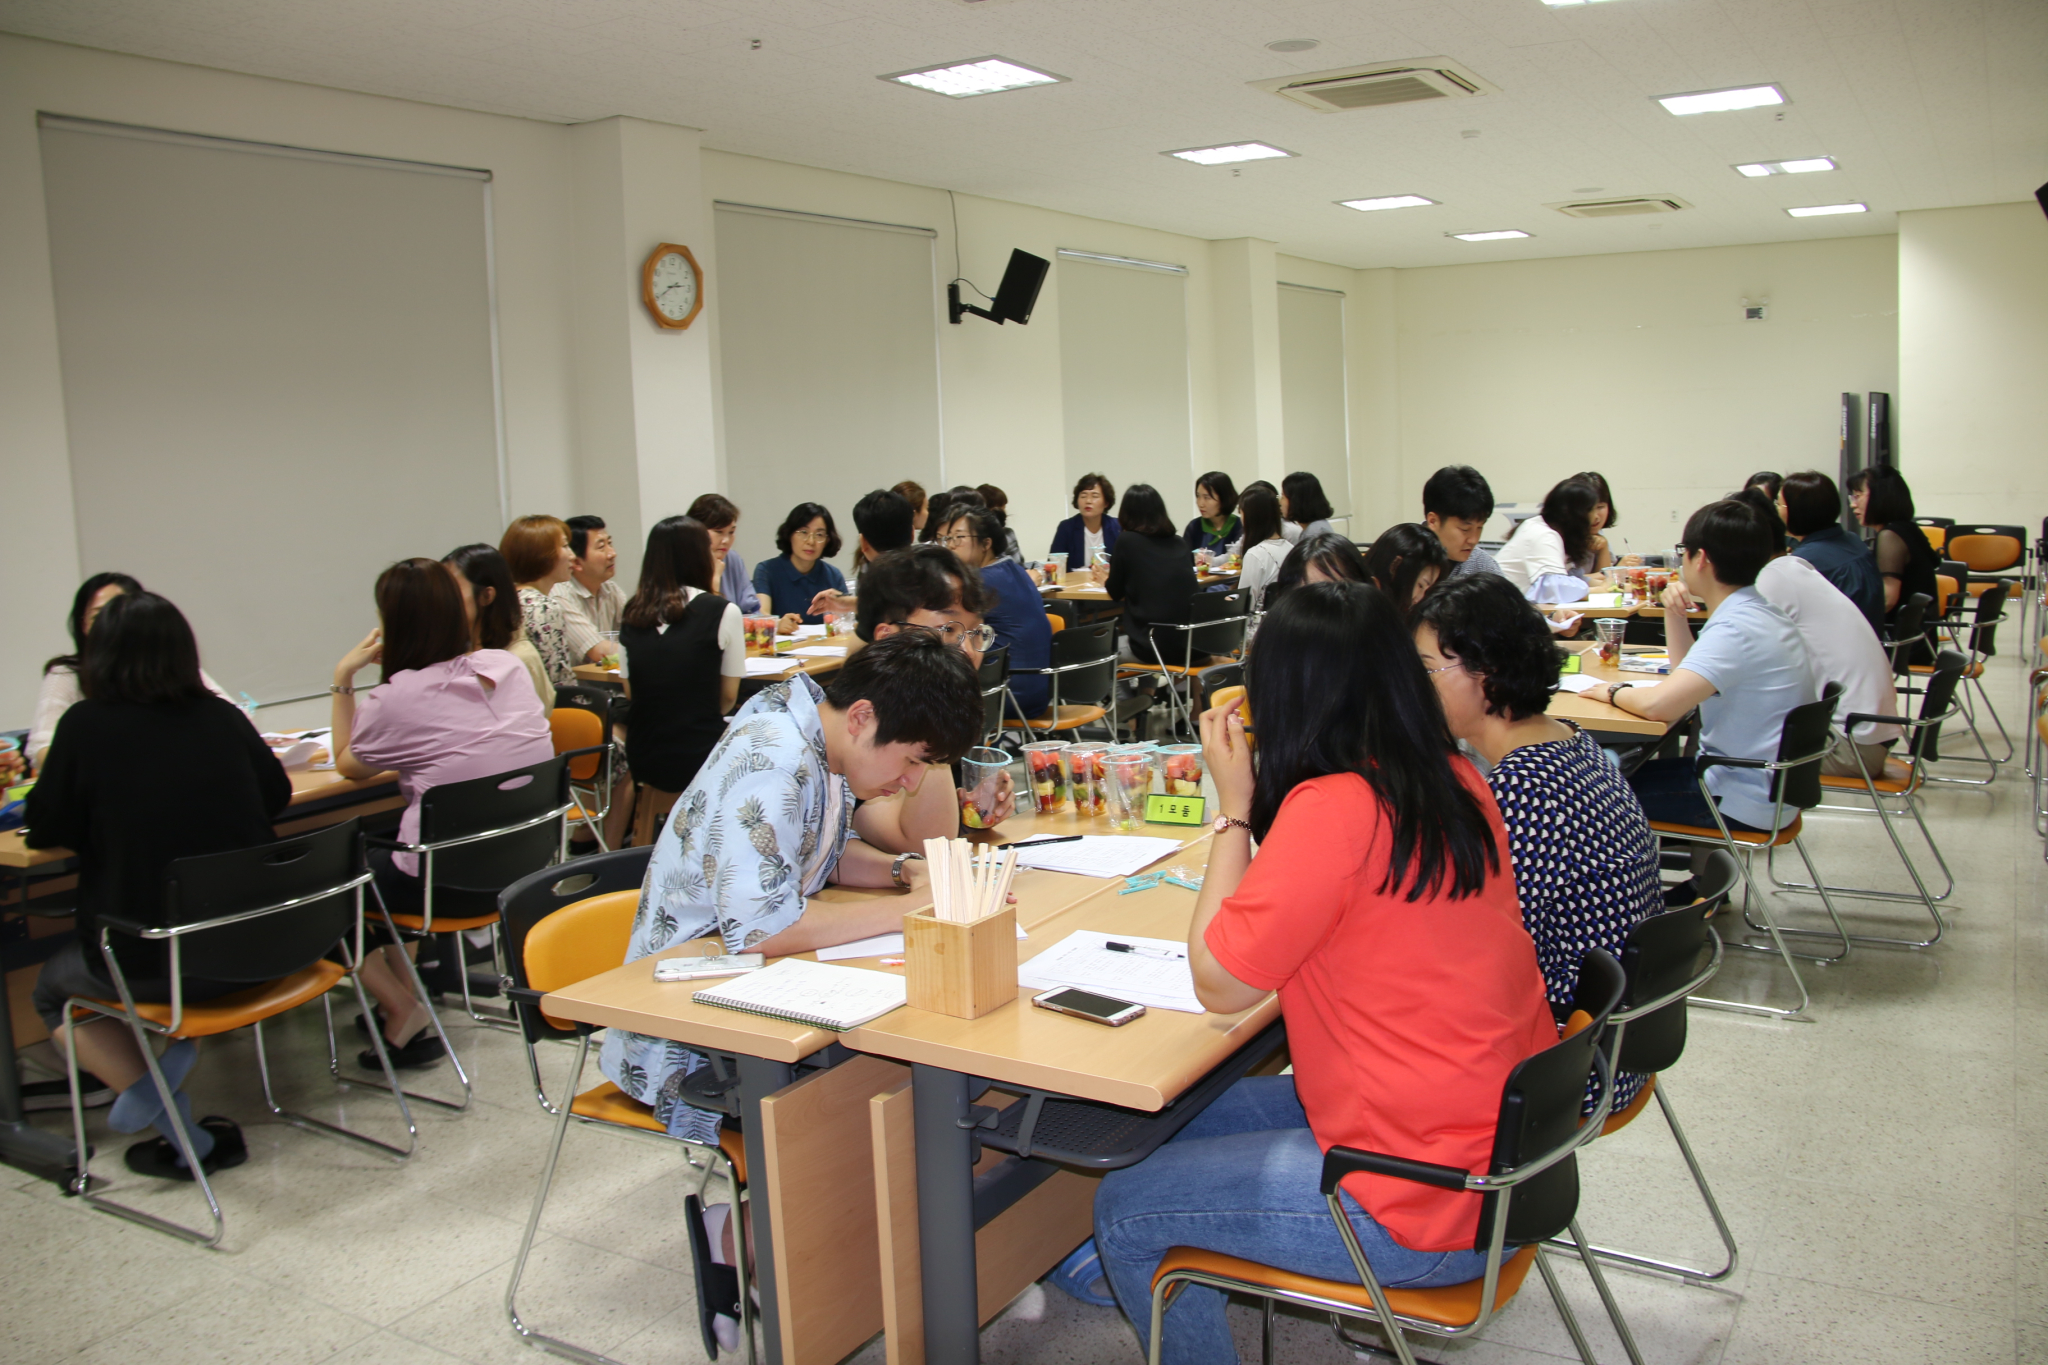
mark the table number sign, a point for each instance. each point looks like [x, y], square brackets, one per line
[1174, 810]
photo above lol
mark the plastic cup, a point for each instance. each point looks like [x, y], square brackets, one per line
[1609, 630]
[1048, 778]
[1100, 557]
[760, 634]
[1183, 768]
[1082, 764]
[1127, 781]
[981, 774]
[1056, 565]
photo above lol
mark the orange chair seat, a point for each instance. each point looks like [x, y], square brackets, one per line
[1616, 1122]
[1454, 1305]
[607, 1103]
[225, 1013]
[446, 924]
[1896, 778]
[1757, 839]
[1971, 670]
[1069, 717]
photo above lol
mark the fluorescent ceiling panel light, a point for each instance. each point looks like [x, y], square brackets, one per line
[1501, 236]
[1559, 4]
[1391, 201]
[1223, 156]
[1803, 166]
[1722, 101]
[1823, 210]
[983, 76]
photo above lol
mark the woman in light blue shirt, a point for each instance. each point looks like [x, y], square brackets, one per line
[722, 519]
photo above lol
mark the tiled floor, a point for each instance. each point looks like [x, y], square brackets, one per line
[1885, 1169]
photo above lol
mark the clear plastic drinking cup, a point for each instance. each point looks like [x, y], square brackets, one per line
[1127, 781]
[1083, 766]
[1609, 630]
[1182, 765]
[981, 773]
[1048, 779]
[1056, 565]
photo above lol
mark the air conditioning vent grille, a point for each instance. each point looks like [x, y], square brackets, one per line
[1622, 208]
[1372, 87]
[1369, 94]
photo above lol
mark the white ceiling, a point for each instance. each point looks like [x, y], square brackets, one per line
[1924, 103]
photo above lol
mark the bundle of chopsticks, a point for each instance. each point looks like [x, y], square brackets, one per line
[969, 880]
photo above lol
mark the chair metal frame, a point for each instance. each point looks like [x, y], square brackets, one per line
[1160, 669]
[1341, 1161]
[1054, 672]
[589, 810]
[82, 1182]
[1744, 853]
[1977, 631]
[1921, 729]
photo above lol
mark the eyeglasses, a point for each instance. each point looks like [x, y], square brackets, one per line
[983, 638]
[1445, 669]
[811, 535]
[959, 538]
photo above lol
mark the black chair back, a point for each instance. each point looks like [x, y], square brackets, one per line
[1662, 953]
[1219, 619]
[457, 810]
[599, 701]
[1909, 630]
[995, 668]
[1984, 621]
[1210, 681]
[1936, 700]
[267, 877]
[1089, 645]
[1940, 521]
[1805, 733]
[1541, 1106]
[537, 895]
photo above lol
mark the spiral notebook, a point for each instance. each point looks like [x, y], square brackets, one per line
[814, 993]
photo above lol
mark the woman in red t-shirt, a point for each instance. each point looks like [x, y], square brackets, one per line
[1382, 907]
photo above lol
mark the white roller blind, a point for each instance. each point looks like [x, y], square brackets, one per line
[278, 378]
[828, 353]
[1312, 392]
[1124, 374]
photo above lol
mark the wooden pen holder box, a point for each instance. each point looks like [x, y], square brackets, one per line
[962, 969]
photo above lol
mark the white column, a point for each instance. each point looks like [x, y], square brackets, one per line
[1246, 313]
[645, 431]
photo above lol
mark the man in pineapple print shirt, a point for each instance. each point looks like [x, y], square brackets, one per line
[764, 826]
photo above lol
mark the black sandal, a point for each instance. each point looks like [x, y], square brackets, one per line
[161, 1158]
[425, 1050]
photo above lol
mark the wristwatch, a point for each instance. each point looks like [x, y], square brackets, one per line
[896, 868]
[1224, 822]
[1613, 688]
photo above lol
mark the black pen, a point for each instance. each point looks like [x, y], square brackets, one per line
[1041, 843]
[1141, 950]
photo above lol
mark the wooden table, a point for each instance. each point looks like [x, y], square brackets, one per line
[817, 668]
[1640, 610]
[1598, 716]
[807, 1138]
[1081, 587]
[308, 788]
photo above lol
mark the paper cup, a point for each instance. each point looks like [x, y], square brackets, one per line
[1048, 779]
[981, 774]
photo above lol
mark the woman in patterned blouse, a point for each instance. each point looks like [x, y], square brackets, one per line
[537, 550]
[1585, 861]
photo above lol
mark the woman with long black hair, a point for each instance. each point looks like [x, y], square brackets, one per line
[1554, 542]
[1405, 563]
[1382, 908]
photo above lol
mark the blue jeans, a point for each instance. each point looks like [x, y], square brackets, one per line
[1669, 789]
[1243, 1178]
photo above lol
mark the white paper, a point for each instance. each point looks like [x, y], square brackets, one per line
[1579, 682]
[1082, 960]
[1099, 855]
[761, 667]
[296, 748]
[881, 945]
[847, 996]
[1603, 599]
[817, 652]
[807, 633]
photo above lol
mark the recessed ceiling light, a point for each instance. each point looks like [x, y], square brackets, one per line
[1294, 45]
[1802, 166]
[1389, 201]
[1823, 210]
[1500, 236]
[1559, 4]
[982, 76]
[1220, 156]
[1721, 101]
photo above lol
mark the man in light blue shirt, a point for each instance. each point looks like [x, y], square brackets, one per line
[1747, 670]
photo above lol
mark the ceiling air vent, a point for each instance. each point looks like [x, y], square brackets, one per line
[1621, 208]
[1382, 83]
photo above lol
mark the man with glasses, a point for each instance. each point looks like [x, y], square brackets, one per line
[923, 588]
[1015, 610]
[592, 600]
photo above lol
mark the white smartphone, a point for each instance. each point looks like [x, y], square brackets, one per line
[697, 968]
[1086, 1005]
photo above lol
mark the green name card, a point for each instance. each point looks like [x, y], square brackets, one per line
[1174, 810]
[1571, 665]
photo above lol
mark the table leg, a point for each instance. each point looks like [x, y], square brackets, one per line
[28, 1148]
[760, 1078]
[945, 1217]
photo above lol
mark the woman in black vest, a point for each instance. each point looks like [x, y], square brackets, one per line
[685, 652]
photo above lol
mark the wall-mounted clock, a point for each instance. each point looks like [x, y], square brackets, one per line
[672, 286]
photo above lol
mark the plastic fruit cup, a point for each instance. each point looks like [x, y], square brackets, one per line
[981, 773]
[1609, 630]
[1127, 778]
[1183, 764]
[1056, 564]
[760, 634]
[1083, 765]
[1048, 780]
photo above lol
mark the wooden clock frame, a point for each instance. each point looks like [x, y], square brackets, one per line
[647, 286]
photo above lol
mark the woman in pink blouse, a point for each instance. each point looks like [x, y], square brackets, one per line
[442, 712]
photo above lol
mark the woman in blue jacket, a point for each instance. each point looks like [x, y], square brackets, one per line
[975, 534]
[1078, 537]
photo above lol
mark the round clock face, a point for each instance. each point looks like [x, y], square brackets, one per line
[674, 286]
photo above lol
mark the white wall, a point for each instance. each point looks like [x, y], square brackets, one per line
[1973, 362]
[1640, 366]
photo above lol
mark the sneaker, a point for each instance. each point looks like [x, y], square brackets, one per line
[94, 1093]
[161, 1158]
[1081, 1276]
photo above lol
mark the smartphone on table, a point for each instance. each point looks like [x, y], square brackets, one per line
[1087, 1005]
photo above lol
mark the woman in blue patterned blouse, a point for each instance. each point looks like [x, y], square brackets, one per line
[1585, 860]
